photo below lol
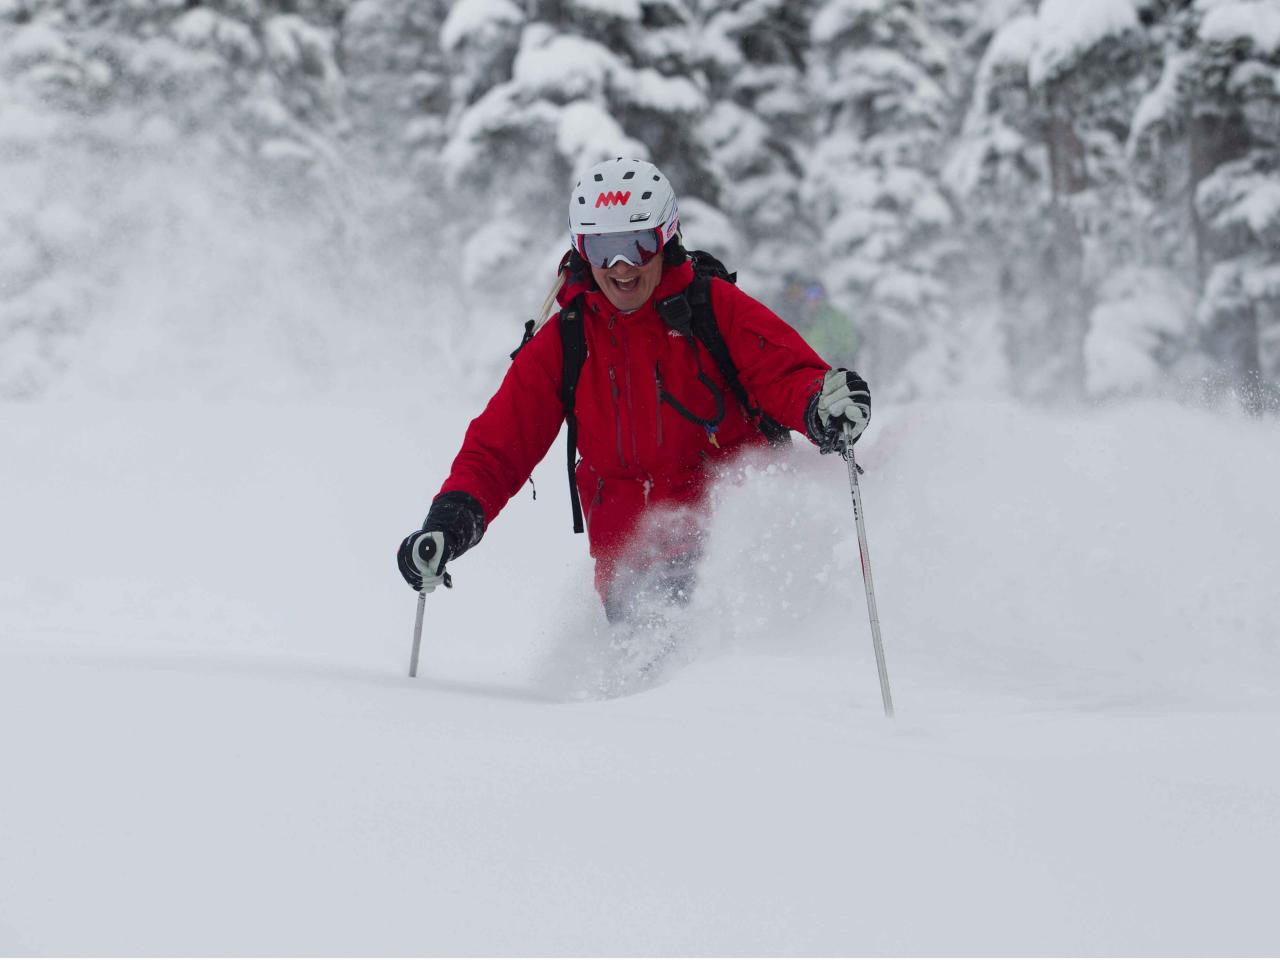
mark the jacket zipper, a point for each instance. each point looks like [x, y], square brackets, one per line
[657, 381]
[617, 414]
[631, 403]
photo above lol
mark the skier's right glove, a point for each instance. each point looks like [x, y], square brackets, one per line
[454, 524]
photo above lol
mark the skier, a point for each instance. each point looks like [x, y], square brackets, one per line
[657, 407]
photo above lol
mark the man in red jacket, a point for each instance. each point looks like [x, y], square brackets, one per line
[656, 419]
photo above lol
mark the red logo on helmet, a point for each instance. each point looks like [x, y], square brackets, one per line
[613, 198]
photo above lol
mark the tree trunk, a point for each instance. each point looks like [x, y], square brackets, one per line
[1213, 139]
[1064, 261]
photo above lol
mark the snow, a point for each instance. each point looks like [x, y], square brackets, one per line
[1067, 29]
[163, 57]
[626, 10]
[706, 228]
[211, 745]
[656, 91]
[1142, 316]
[836, 16]
[1263, 207]
[1013, 44]
[1257, 21]
[501, 108]
[1159, 104]
[1236, 195]
[292, 42]
[992, 14]
[561, 65]
[33, 43]
[477, 17]
[23, 126]
[200, 28]
[714, 45]
[586, 134]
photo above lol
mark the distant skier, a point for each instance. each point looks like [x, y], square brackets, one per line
[677, 371]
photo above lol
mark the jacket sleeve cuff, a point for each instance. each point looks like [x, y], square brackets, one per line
[812, 426]
[459, 516]
[827, 440]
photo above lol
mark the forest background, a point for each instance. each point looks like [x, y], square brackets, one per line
[1057, 200]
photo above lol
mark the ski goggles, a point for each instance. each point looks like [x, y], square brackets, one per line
[636, 247]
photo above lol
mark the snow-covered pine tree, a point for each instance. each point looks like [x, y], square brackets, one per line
[997, 172]
[46, 82]
[881, 71]
[1206, 153]
[1041, 168]
[400, 94]
[1235, 120]
[398, 82]
[757, 131]
[263, 85]
[1122, 319]
[1085, 75]
[105, 96]
[585, 80]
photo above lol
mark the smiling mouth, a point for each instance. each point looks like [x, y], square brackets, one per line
[625, 285]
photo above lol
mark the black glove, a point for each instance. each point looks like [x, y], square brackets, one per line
[453, 526]
[422, 557]
[842, 407]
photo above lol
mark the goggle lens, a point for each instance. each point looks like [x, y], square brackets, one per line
[636, 247]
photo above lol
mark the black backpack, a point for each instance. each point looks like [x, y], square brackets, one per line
[689, 313]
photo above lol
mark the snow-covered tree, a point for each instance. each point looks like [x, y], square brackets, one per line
[1086, 77]
[398, 80]
[1206, 151]
[41, 227]
[400, 98]
[1097, 175]
[881, 71]
[1236, 79]
[588, 80]
[998, 174]
[97, 98]
[1041, 167]
[757, 131]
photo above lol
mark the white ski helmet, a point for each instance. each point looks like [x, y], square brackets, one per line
[622, 196]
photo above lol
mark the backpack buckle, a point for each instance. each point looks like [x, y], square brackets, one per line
[677, 314]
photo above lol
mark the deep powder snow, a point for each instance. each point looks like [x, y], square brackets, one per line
[211, 744]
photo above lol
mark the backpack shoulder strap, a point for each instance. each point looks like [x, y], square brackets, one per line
[573, 340]
[708, 265]
[705, 328]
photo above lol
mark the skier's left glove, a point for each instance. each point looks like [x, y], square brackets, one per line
[454, 524]
[843, 403]
[421, 557]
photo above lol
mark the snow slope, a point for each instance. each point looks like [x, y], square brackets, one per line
[210, 744]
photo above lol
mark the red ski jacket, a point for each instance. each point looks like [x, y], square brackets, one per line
[636, 451]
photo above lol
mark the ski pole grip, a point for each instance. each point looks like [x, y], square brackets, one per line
[426, 549]
[426, 552]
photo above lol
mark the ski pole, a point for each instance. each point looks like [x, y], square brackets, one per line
[426, 550]
[417, 634]
[864, 553]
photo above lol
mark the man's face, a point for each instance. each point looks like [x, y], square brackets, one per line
[629, 288]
